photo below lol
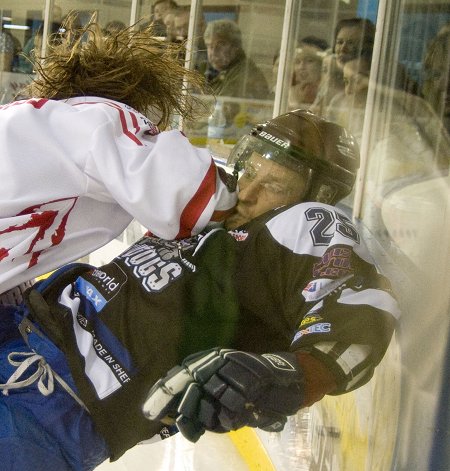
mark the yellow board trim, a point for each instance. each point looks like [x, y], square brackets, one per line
[251, 449]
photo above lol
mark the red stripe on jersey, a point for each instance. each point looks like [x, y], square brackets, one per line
[125, 130]
[198, 203]
[122, 117]
[37, 103]
[135, 122]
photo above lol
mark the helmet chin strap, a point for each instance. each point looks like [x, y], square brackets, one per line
[236, 169]
[308, 187]
[321, 192]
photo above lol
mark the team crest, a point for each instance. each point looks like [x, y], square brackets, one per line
[240, 236]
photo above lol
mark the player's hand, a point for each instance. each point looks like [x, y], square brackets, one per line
[221, 390]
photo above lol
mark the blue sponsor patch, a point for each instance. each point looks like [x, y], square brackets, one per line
[91, 293]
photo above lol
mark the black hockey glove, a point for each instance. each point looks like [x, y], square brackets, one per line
[221, 390]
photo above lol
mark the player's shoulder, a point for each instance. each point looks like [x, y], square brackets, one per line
[312, 227]
[94, 102]
[296, 216]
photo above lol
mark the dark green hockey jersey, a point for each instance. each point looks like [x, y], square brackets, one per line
[296, 278]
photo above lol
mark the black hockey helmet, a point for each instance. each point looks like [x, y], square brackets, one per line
[304, 142]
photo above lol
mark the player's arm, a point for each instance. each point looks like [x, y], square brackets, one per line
[347, 325]
[341, 338]
[171, 187]
[318, 379]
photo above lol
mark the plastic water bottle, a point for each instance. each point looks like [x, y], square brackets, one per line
[217, 124]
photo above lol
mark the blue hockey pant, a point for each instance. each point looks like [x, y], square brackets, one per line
[40, 432]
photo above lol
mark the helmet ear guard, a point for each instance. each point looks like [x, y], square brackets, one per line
[301, 140]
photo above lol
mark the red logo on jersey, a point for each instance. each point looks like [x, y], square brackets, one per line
[47, 221]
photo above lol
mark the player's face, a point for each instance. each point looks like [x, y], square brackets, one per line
[263, 186]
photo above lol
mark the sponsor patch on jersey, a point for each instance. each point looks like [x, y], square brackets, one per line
[335, 263]
[310, 319]
[278, 362]
[99, 287]
[240, 236]
[155, 263]
[323, 287]
[321, 328]
[311, 290]
[91, 293]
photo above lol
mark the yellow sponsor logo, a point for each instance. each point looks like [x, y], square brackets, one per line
[310, 319]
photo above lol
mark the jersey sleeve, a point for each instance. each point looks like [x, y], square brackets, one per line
[344, 308]
[171, 187]
[349, 328]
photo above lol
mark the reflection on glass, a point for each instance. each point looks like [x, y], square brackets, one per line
[306, 77]
[436, 69]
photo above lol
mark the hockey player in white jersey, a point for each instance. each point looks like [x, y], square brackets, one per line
[87, 153]
[263, 319]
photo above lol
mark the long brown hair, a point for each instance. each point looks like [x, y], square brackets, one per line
[129, 66]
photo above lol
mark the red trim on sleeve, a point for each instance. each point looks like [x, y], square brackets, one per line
[198, 203]
[135, 122]
[37, 103]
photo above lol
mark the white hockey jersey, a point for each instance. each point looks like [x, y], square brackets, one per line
[74, 173]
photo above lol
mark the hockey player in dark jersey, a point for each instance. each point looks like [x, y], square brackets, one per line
[264, 318]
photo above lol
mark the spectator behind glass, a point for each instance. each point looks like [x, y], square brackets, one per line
[436, 72]
[159, 9]
[352, 38]
[33, 46]
[113, 27]
[230, 72]
[181, 26]
[169, 23]
[402, 143]
[306, 77]
[7, 49]
[331, 84]
[307, 73]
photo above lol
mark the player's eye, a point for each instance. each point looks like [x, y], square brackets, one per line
[274, 187]
[249, 172]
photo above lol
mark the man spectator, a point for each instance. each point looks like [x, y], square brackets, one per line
[230, 72]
